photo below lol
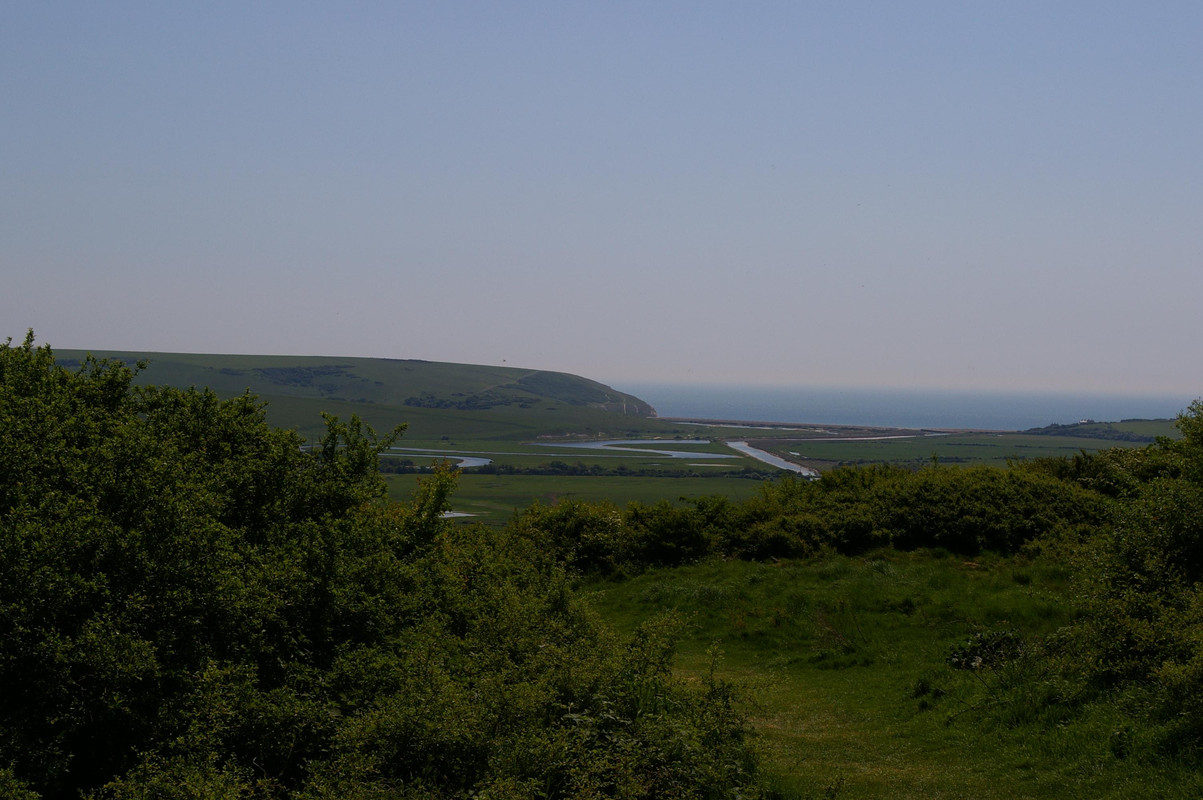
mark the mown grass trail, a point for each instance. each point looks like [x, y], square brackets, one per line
[843, 662]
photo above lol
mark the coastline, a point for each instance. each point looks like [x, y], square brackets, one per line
[1000, 411]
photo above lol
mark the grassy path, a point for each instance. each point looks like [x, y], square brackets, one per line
[843, 664]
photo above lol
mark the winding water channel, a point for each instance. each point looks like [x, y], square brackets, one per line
[619, 448]
[624, 446]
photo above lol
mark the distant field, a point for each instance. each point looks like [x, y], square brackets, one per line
[493, 499]
[508, 414]
[960, 448]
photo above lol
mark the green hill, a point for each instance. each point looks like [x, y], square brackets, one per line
[435, 398]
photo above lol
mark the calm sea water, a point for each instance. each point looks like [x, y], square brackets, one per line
[897, 408]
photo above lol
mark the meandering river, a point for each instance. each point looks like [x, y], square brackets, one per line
[624, 445]
[623, 448]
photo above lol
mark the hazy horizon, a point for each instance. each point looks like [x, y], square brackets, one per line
[901, 408]
[930, 195]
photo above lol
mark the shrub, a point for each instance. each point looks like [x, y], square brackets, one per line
[193, 604]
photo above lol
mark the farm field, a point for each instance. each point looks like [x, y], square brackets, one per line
[492, 499]
[629, 475]
[996, 448]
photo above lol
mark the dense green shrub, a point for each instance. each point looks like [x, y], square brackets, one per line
[1140, 642]
[587, 536]
[196, 605]
[665, 534]
[967, 510]
[1145, 591]
[849, 510]
[978, 508]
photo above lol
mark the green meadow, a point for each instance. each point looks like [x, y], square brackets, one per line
[842, 668]
[997, 448]
[493, 499]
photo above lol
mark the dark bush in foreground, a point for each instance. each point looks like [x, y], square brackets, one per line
[1144, 586]
[193, 604]
[1138, 645]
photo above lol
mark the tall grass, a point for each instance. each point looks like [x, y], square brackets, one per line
[846, 675]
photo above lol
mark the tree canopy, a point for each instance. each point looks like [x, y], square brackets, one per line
[194, 604]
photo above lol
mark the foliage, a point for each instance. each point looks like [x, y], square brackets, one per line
[1144, 583]
[986, 650]
[589, 537]
[194, 604]
[1138, 644]
[849, 510]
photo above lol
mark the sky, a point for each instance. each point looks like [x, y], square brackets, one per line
[958, 195]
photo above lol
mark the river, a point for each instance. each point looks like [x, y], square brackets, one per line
[769, 458]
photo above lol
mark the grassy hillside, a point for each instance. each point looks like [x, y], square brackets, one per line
[1029, 632]
[845, 667]
[435, 398]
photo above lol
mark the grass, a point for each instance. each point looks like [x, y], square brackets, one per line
[992, 448]
[843, 665]
[298, 388]
[493, 499]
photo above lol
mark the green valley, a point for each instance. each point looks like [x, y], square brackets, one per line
[198, 604]
[530, 424]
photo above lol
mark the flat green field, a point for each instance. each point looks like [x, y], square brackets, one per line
[996, 448]
[492, 499]
[629, 474]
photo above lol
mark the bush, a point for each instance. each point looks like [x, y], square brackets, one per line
[963, 510]
[1143, 583]
[665, 535]
[589, 537]
[193, 604]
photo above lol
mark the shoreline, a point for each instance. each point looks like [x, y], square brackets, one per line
[812, 426]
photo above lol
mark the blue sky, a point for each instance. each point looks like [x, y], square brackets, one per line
[949, 195]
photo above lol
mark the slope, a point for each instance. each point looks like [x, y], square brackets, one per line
[435, 398]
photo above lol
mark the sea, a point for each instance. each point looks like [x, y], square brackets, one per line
[900, 408]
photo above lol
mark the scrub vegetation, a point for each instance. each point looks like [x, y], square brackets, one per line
[192, 605]
[1023, 632]
[195, 604]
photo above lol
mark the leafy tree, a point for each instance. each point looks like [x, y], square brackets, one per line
[194, 604]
